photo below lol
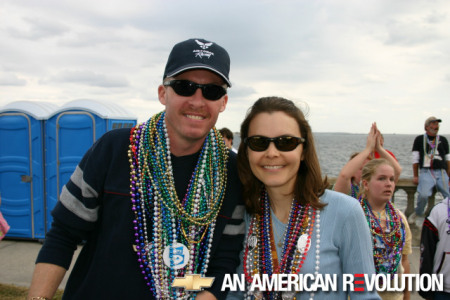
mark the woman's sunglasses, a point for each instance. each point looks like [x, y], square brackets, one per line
[187, 88]
[283, 143]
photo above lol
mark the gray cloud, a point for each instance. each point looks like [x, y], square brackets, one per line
[241, 91]
[11, 80]
[86, 39]
[411, 33]
[38, 28]
[436, 17]
[89, 78]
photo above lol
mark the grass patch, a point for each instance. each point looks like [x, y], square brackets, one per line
[13, 292]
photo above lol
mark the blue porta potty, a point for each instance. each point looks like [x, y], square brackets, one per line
[22, 172]
[70, 132]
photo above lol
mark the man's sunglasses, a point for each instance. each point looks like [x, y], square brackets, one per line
[283, 143]
[188, 88]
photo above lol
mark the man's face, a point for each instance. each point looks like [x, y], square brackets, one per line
[189, 119]
[432, 128]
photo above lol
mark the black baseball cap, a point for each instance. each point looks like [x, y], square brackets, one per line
[198, 54]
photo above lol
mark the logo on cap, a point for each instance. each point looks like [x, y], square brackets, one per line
[203, 45]
[204, 52]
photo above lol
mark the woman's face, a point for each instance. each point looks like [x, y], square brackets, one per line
[380, 187]
[276, 169]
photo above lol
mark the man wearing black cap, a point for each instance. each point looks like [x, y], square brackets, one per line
[159, 207]
[431, 165]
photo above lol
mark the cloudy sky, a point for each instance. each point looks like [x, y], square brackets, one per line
[346, 62]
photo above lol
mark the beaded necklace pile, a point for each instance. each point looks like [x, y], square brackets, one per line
[173, 236]
[388, 242]
[355, 190]
[260, 255]
[433, 145]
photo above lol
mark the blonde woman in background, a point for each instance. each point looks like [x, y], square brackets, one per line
[391, 235]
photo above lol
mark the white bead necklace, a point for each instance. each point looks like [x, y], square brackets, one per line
[205, 199]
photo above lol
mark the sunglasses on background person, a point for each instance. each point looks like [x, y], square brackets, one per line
[188, 88]
[283, 143]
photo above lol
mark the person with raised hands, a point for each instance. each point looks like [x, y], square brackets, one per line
[349, 178]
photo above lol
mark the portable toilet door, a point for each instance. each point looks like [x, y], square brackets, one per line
[69, 135]
[22, 170]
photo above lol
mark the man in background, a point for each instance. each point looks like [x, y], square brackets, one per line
[431, 165]
[228, 138]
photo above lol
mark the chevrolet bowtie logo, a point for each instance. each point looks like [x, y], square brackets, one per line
[193, 282]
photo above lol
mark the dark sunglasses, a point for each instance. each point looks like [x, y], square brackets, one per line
[283, 143]
[187, 88]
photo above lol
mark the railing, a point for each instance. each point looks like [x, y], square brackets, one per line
[410, 189]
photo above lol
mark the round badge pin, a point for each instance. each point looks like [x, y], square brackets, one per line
[252, 241]
[176, 256]
[302, 243]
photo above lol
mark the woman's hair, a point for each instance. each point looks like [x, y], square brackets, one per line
[309, 185]
[369, 169]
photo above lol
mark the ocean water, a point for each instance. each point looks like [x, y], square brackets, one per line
[334, 150]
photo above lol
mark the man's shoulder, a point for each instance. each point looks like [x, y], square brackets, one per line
[116, 136]
[113, 141]
[443, 138]
[418, 140]
[120, 133]
[232, 159]
[438, 213]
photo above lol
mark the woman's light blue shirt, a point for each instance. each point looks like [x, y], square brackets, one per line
[345, 246]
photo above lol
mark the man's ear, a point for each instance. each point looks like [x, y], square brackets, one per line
[162, 94]
[224, 103]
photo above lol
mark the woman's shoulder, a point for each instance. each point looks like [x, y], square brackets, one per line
[403, 218]
[338, 204]
[401, 214]
[341, 211]
[441, 206]
[337, 199]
